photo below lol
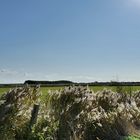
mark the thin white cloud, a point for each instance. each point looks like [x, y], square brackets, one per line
[9, 72]
[135, 1]
[12, 76]
[132, 3]
[75, 78]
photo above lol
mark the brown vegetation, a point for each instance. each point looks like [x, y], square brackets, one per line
[74, 113]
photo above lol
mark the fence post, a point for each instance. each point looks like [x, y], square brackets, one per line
[34, 114]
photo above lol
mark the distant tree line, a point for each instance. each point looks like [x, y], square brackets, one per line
[60, 82]
[66, 82]
[113, 83]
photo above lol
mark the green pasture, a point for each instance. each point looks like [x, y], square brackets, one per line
[3, 90]
[115, 88]
[45, 90]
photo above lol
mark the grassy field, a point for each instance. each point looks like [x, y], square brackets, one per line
[83, 103]
[115, 88]
[3, 90]
[94, 88]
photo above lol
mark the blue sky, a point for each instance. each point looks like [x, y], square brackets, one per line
[78, 40]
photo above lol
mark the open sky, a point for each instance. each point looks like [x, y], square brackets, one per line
[78, 40]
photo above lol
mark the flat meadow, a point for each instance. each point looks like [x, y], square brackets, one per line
[45, 90]
[70, 113]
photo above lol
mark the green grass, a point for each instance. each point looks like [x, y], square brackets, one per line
[3, 90]
[131, 138]
[114, 88]
[98, 88]
[94, 88]
[45, 90]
